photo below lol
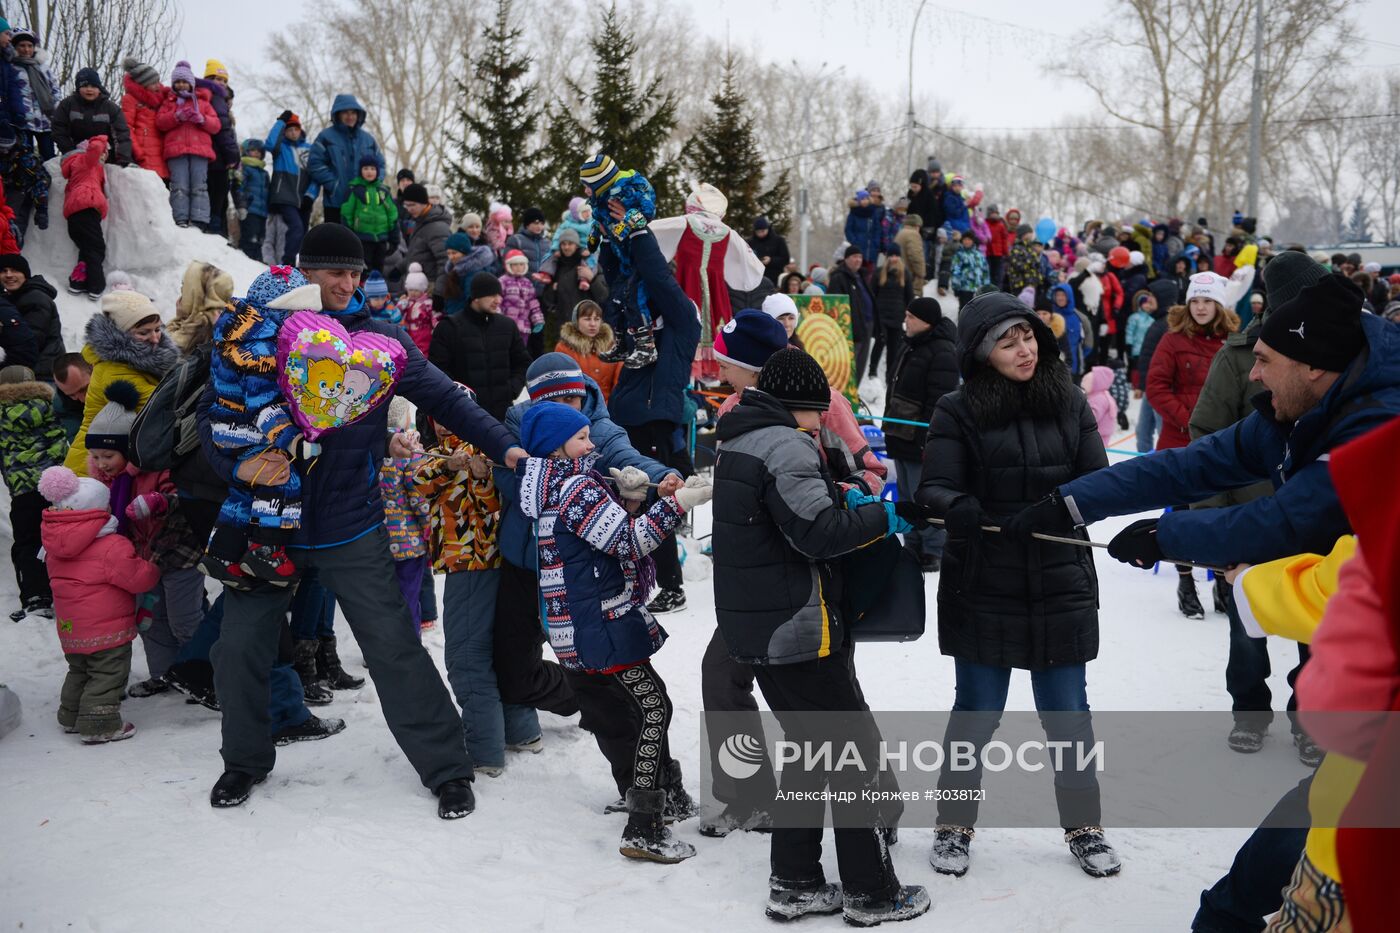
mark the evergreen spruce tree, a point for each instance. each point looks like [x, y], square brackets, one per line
[724, 153]
[500, 158]
[630, 123]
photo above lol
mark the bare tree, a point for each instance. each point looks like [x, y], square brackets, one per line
[1378, 154]
[100, 33]
[1182, 69]
[406, 92]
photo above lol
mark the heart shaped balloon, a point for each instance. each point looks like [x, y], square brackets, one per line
[330, 377]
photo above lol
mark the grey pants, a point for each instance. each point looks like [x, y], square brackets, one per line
[416, 703]
[189, 188]
[91, 699]
[179, 608]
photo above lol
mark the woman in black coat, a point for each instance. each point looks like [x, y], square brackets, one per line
[893, 288]
[1016, 429]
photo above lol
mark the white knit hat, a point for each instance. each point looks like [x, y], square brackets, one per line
[70, 492]
[706, 197]
[127, 308]
[302, 298]
[778, 304]
[1136, 258]
[416, 280]
[400, 413]
[1207, 285]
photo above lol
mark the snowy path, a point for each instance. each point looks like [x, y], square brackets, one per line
[342, 837]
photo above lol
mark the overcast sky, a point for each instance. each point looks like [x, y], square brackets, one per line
[991, 68]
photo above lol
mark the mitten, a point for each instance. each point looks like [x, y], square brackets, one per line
[631, 483]
[895, 525]
[696, 491]
[145, 506]
[146, 610]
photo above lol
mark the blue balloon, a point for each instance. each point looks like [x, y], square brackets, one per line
[1045, 230]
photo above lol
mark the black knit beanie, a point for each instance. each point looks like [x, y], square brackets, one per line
[795, 379]
[1320, 327]
[484, 284]
[1289, 273]
[331, 246]
[416, 193]
[927, 310]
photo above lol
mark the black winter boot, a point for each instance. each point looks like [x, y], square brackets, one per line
[679, 804]
[232, 789]
[1186, 599]
[787, 901]
[949, 855]
[313, 729]
[329, 662]
[313, 688]
[646, 835]
[908, 902]
[1093, 852]
[1221, 590]
[643, 351]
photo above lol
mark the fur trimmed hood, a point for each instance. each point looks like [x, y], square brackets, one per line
[112, 344]
[25, 392]
[584, 346]
[996, 400]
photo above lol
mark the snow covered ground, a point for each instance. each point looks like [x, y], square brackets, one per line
[342, 837]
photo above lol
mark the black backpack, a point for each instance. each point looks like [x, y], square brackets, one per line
[165, 431]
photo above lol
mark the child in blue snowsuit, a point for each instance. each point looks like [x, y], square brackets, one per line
[249, 417]
[627, 310]
[252, 201]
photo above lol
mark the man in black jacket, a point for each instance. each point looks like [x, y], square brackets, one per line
[482, 349]
[770, 248]
[845, 279]
[33, 298]
[926, 372]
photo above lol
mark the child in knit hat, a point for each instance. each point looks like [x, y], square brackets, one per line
[623, 203]
[415, 307]
[369, 210]
[464, 516]
[248, 420]
[31, 440]
[96, 576]
[376, 292]
[252, 199]
[405, 512]
[595, 577]
[188, 120]
[585, 338]
[520, 303]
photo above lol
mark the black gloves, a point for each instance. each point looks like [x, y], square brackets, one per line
[965, 518]
[1137, 544]
[911, 512]
[284, 116]
[1122, 421]
[1048, 516]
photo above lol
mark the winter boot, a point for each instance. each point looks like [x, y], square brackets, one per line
[533, 746]
[679, 804]
[125, 731]
[222, 556]
[232, 789]
[949, 855]
[77, 279]
[1308, 752]
[788, 901]
[329, 661]
[667, 601]
[313, 729]
[646, 835]
[1220, 590]
[732, 819]
[1247, 737]
[644, 349]
[455, 799]
[1095, 855]
[271, 563]
[18, 615]
[195, 679]
[147, 688]
[41, 606]
[304, 661]
[1186, 599]
[863, 910]
[619, 351]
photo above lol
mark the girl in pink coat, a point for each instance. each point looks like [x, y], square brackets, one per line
[85, 207]
[188, 122]
[95, 575]
[1096, 385]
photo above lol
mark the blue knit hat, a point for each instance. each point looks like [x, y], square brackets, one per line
[460, 242]
[274, 283]
[375, 286]
[554, 375]
[548, 425]
[750, 339]
[598, 173]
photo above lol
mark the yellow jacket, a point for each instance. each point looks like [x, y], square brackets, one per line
[1287, 597]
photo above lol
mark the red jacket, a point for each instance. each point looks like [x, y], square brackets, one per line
[1000, 243]
[1179, 368]
[96, 577]
[87, 178]
[139, 106]
[1112, 300]
[187, 138]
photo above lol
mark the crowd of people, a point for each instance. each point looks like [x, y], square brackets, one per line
[535, 454]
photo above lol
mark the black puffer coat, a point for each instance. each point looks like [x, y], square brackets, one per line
[34, 300]
[892, 297]
[926, 372]
[1000, 601]
[483, 351]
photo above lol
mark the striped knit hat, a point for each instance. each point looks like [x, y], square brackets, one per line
[554, 375]
[598, 173]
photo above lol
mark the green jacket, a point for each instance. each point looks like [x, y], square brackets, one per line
[31, 439]
[369, 210]
[1225, 399]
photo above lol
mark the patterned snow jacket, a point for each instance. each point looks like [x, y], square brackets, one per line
[31, 439]
[464, 513]
[595, 573]
[405, 507]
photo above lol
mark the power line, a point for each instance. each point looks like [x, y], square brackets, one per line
[837, 145]
[1298, 121]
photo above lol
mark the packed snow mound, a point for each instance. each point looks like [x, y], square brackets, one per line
[142, 241]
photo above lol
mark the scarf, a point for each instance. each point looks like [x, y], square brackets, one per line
[38, 83]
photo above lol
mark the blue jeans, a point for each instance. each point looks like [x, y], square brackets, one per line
[928, 539]
[286, 704]
[1059, 691]
[313, 609]
[468, 628]
[1146, 428]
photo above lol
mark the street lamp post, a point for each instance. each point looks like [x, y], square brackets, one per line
[909, 116]
[804, 220]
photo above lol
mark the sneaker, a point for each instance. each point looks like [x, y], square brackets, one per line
[1308, 751]
[1095, 855]
[126, 731]
[533, 746]
[949, 855]
[147, 688]
[667, 601]
[1186, 599]
[910, 901]
[77, 279]
[491, 771]
[314, 728]
[788, 903]
[728, 820]
[1247, 737]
